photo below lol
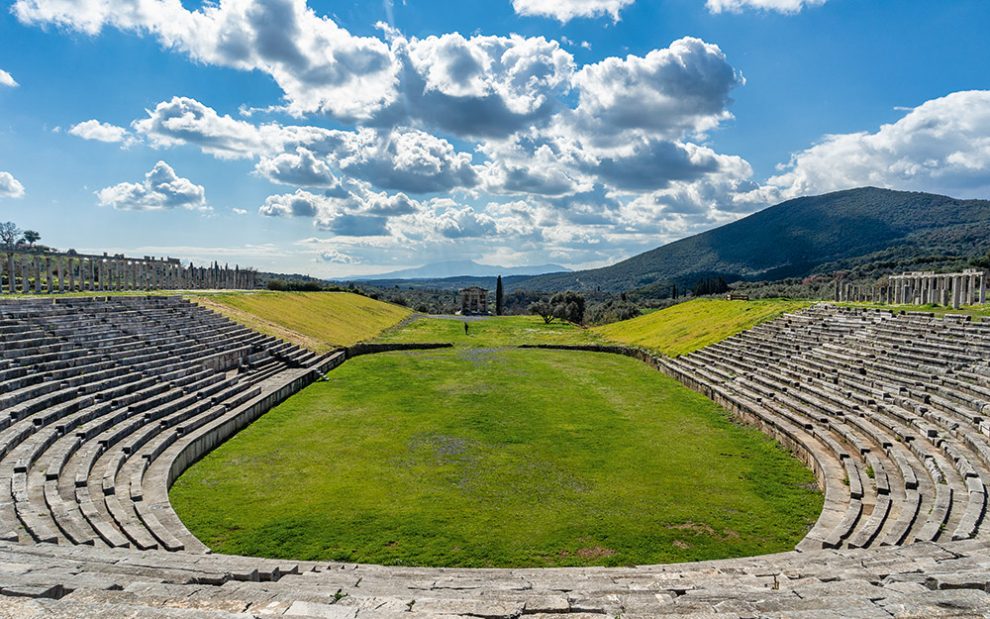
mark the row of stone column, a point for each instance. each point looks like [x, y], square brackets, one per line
[955, 289]
[26, 273]
[925, 288]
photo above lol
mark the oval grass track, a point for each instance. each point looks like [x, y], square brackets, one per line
[498, 457]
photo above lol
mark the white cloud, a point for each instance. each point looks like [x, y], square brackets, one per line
[566, 10]
[301, 168]
[780, 6]
[10, 187]
[335, 256]
[479, 86]
[682, 88]
[319, 65]
[943, 146]
[239, 211]
[348, 215]
[398, 159]
[6, 79]
[161, 189]
[101, 132]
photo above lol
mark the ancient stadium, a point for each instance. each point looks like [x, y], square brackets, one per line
[503, 309]
[107, 401]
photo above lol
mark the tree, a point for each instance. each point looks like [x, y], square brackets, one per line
[10, 234]
[544, 310]
[568, 306]
[499, 294]
[713, 285]
[31, 237]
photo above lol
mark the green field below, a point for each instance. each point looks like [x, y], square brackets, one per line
[490, 332]
[319, 321]
[474, 456]
[686, 327]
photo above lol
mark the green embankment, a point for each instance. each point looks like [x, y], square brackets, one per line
[688, 326]
[319, 321]
[475, 456]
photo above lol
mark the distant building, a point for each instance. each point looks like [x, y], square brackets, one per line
[474, 300]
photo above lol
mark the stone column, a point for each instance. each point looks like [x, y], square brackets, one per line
[25, 275]
[10, 273]
[983, 288]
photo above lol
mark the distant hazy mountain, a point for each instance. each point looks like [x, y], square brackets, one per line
[462, 268]
[794, 238]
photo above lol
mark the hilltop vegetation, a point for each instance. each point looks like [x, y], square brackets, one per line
[319, 321]
[688, 326]
[868, 227]
[481, 457]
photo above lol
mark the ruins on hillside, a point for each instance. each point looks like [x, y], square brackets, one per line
[968, 287]
[474, 300]
[49, 273]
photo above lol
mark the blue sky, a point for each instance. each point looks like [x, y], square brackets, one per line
[340, 138]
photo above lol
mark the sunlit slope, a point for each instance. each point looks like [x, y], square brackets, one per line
[684, 328]
[320, 321]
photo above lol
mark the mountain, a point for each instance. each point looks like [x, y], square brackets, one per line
[461, 268]
[796, 238]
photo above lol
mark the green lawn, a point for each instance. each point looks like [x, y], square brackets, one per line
[491, 332]
[686, 327]
[319, 321]
[479, 457]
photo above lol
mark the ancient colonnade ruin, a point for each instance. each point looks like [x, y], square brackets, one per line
[968, 287]
[36, 273]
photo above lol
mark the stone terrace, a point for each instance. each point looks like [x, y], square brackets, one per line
[104, 402]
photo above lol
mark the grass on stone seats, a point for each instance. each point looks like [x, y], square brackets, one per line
[686, 327]
[977, 312]
[479, 457]
[319, 321]
[490, 332]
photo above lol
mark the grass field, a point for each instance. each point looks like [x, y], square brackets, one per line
[319, 321]
[491, 332]
[688, 326]
[482, 457]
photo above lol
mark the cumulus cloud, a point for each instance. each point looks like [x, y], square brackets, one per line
[348, 215]
[335, 256]
[682, 88]
[319, 65]
[182, 120]
[301, 168]
[402, 160]
[101, 132]
[943, 145]
[780, 6]
[399, 159]
[6, 79]
[162, 189]
[566, 10]
[10, 187]
[479, 86]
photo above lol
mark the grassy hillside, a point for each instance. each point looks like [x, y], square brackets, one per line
[686, 327]
[479, 457]
[794, 238]
[319, 321]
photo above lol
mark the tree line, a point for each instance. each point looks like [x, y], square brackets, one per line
[12, 237]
